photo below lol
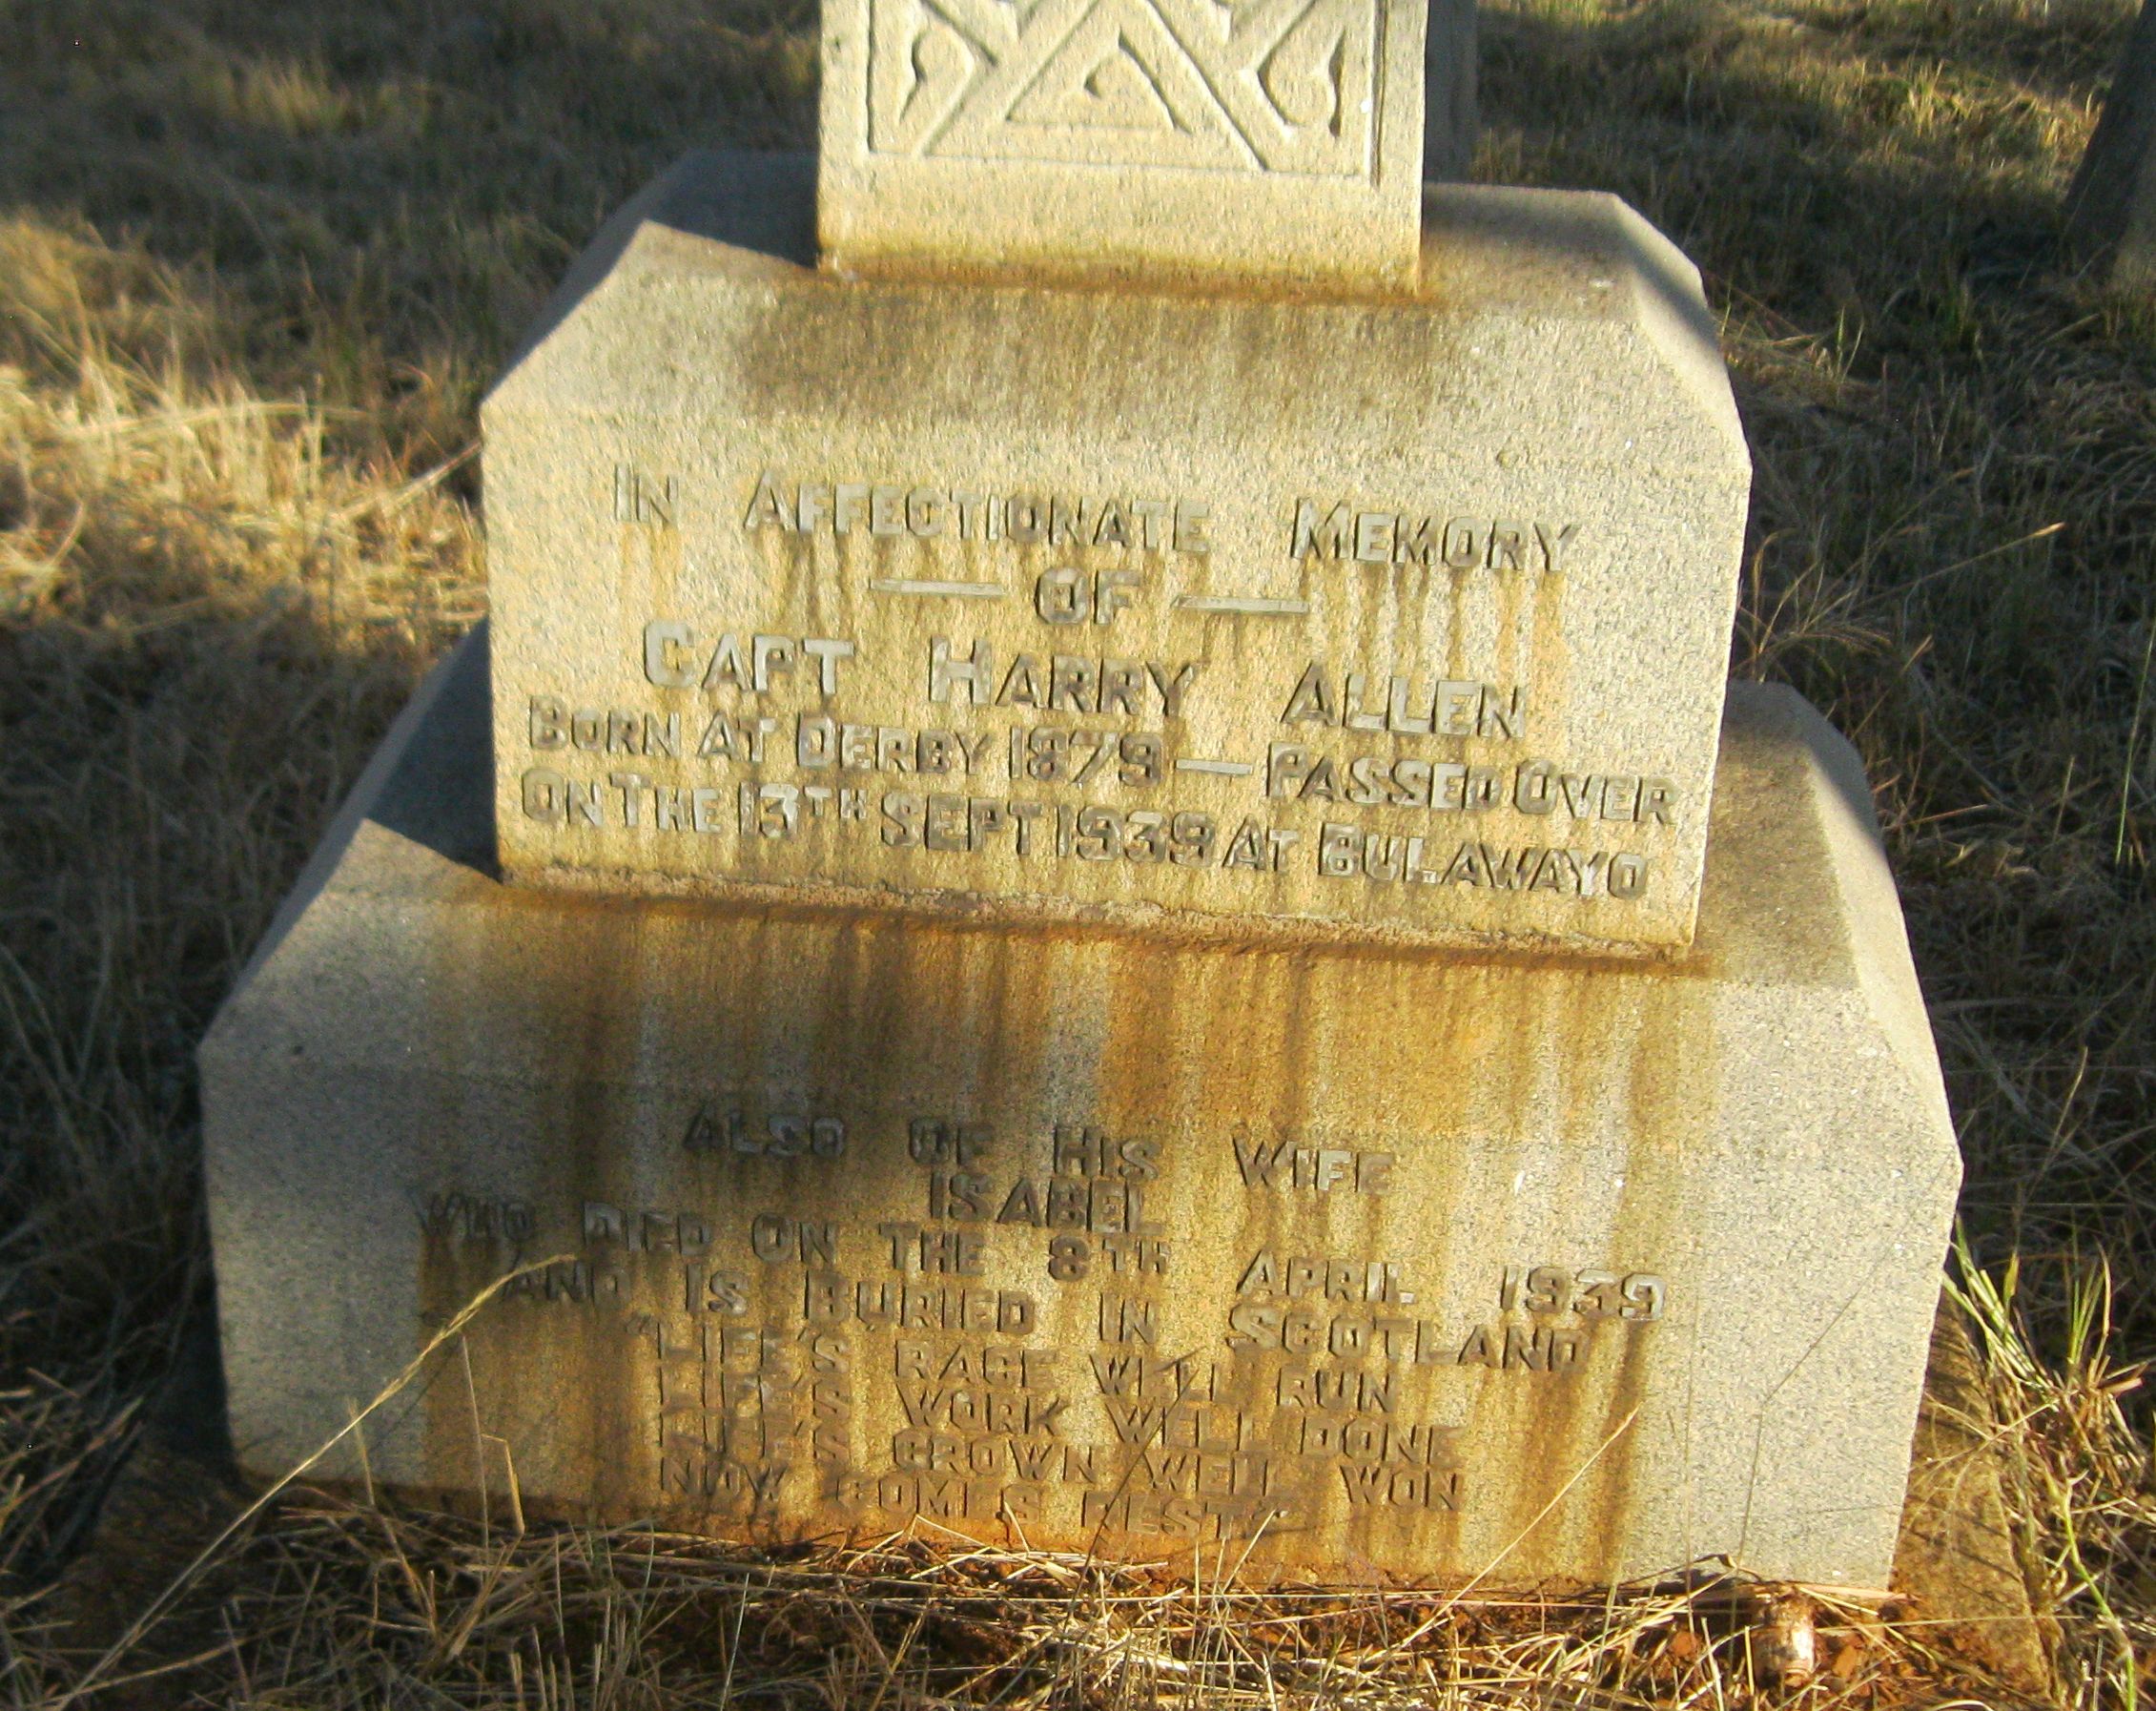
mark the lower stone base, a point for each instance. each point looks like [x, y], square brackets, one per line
[1343, 1265]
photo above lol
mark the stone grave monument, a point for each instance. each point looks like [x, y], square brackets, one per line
[1095, 888]
[2111, 204]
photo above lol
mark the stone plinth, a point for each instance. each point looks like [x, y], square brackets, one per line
[1366, 1264]
[1398, 618]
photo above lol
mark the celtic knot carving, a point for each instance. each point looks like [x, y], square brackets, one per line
[1258, 86]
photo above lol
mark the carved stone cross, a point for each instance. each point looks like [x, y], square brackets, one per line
[1263, 138]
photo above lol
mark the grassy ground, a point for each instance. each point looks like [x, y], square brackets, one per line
[255, 258]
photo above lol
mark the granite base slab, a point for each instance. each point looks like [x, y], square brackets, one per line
[1331, 1263]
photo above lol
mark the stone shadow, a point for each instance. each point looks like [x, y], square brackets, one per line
[1720, 124]
[418, 173]
[370, 199]
[441, 794]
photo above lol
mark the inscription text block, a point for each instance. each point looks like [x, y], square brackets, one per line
[1347, 620]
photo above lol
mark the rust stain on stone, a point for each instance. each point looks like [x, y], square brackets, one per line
[1340, 1263]
[1303, 1337]
[865, 461]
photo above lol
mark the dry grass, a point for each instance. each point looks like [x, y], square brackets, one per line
[257, 256]
[344, 1605]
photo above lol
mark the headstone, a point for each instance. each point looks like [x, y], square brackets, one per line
[1282, 139]
[1402, 618]
[2111, 204]
[1113, 905]
[1451, 108]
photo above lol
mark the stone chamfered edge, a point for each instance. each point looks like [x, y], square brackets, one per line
[1484, 243]
[725, 237]
[1960, 1556]
[981, 187]
[409, 1017]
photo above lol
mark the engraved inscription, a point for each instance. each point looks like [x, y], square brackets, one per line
[1027, 1341]
[641, 497]
[1430, 539]
[1071, 696]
